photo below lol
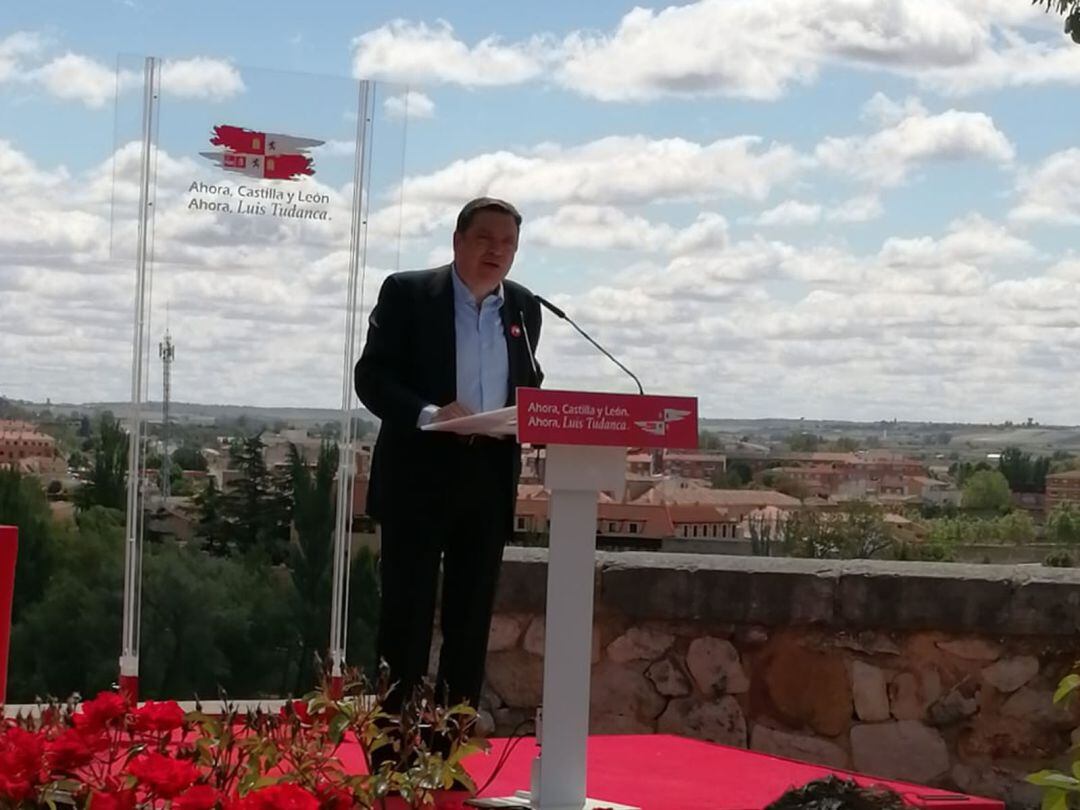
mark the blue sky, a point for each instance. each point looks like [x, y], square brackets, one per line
[801, 208]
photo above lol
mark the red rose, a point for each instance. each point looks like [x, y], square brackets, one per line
[159, 717]
[279, 797]
[197, 797]
[112, 800]
[99, 713]
[163, 776]
[73, 749]
[333, 797]
[22, 764]
[300, 709]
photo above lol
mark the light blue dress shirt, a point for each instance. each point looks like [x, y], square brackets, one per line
[483, 367]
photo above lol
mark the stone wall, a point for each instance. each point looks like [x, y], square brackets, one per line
[937, 673]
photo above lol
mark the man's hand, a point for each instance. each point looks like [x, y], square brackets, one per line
[454, 410]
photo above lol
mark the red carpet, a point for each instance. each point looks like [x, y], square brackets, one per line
[658, 772]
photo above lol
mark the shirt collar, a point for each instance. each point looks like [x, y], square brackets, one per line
[463, 293]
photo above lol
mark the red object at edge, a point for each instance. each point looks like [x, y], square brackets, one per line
[9, 551]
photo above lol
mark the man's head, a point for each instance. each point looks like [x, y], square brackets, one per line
[485, 241]
[832, 793]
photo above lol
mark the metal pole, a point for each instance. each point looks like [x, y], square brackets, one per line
[346, 448]
[129, 656]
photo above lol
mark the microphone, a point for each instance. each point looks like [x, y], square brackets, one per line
[529, 346]
[558, 313]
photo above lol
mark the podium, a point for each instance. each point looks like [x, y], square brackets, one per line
[586, 437]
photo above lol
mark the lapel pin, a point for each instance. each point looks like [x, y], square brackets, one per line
[515, 330]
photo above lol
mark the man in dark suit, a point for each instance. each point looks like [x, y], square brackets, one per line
[441, 344]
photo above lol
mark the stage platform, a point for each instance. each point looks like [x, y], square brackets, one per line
[659, 772]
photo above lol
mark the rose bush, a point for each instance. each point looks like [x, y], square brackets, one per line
[106, 754]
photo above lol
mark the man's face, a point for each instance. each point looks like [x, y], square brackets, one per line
[484, 252]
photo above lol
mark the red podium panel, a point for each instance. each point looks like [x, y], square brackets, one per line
[619, 420]
[9, 547]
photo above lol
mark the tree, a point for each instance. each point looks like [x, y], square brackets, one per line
[311, 556]
[255, 514]
[803, 442]
[1024, 472]
[108, 478]
[211, 527]
[1070, 9]
[67, 640]
[187, 457]
[987, 490]
[1063, 524]
[961, 471]
[23, 505]
[1016, 527]
[707, 440]
[86, 430]
[846, 444]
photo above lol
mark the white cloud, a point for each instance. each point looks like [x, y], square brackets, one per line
[889, 155]
[1051, 192]
[402, 51]
[201, 78]
[955, 46]
[789, 212]
[862, 208]
[73, 77]
[617, 169]
[411, 104]
[610, 228]
[16, 49]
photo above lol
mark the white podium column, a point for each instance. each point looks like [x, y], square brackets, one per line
[575, 475]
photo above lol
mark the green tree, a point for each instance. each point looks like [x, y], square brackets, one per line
[188, 457]
[23, 504]
[212, 624]
[987, 490]
[1016, 527]
[108, 479]
[311, 556]
[1063, 524]
[1070, 9]
[845, 444]
[211, 529]
[707, 440]
[68, 640]
[86, 430]
[1024, 472]
[961, 471]
[255, 514]
[803, 442]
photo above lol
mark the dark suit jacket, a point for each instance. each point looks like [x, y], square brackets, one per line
[410, 361]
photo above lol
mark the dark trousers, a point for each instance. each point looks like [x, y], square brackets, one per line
[464, 526]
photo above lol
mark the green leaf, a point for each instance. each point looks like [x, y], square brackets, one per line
[1055, 799]
[338, 724]
[1068, 685]
[1054, 779]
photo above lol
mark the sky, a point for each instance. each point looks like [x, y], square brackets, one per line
[846, 209]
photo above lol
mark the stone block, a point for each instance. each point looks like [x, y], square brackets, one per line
[715, 667]
[622, 690]
[668, 678]
[809, 688]
[536, 637]
[951, 708]
[639, 643]
[991, 781]
[719, 721]
[517, 677]
[504, 633]
[1009, 674]
[900, 750]
[798, 746]
[972, 649]
[869, 692]
[1038, 707]
[904, 700]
